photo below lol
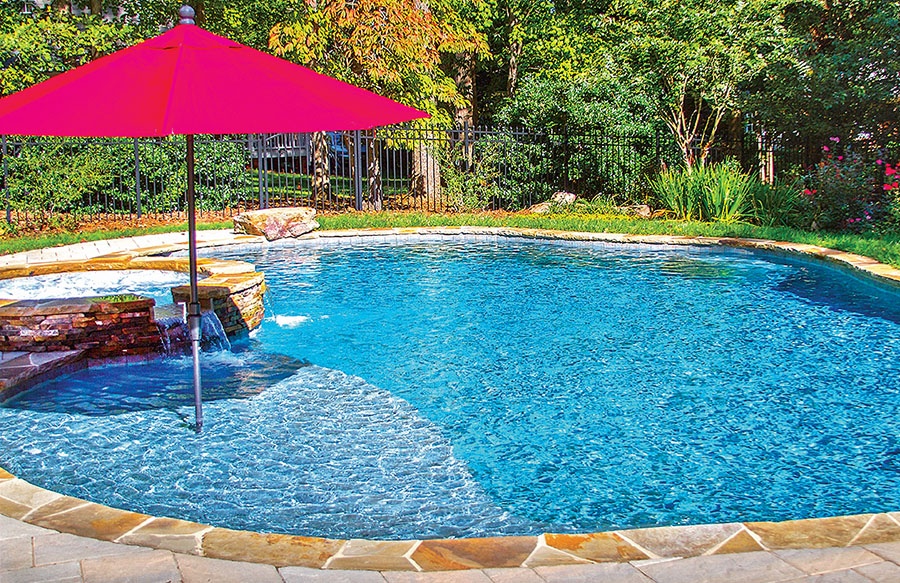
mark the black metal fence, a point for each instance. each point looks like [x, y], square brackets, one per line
[394, 168]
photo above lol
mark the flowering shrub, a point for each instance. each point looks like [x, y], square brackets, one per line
[845, 192]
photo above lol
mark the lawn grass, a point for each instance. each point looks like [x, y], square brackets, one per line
[17, 244]
[884, 248]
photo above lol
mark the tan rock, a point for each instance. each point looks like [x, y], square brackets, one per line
[598, 547]
[275, 549]
[473, 553]
[277, 223]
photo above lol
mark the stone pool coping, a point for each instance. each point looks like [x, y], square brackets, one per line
[31, 504]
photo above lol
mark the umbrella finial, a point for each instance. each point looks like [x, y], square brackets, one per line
[187, 15]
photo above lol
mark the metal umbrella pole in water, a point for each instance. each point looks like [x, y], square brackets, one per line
[193, 311]
[188, 81]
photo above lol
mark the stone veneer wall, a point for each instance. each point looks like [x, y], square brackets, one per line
[236, 299]
[114, 329]
[103, 329]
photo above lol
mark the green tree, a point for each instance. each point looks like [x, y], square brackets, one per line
[837, 71]
[396, 48]
[48, 42]
[689, 58]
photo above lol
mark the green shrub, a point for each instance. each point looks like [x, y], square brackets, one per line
[723, 193]
[498, 172]
[726, 193]
[777, 205]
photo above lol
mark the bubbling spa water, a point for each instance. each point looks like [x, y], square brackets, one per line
[468, 387]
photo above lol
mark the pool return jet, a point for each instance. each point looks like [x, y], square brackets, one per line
[188, 81]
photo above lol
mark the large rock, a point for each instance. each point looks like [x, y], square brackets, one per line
[277, 223]
[559, 200]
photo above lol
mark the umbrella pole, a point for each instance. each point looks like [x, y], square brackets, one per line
[193, 315]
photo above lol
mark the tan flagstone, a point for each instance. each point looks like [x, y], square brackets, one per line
[682, 541]
[597, 547]
[373, 556]
[880, 529]
[274, 549]
[741, 542]
[476, 553]
[544, 556]
[21, 492]
[89, 520]
[809, 533]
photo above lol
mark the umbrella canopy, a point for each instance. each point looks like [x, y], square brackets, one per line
[189, 81]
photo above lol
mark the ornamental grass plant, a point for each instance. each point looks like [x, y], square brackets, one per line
[722, 193]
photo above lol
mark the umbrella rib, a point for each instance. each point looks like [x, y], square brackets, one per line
[167, 126]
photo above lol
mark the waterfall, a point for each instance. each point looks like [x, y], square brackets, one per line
[176, 338]
[212, 332]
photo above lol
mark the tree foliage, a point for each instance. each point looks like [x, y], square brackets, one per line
[48, 42]
[392, 47]
[838, 71]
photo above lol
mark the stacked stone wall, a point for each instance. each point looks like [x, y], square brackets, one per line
[101, 327]
[237, 300]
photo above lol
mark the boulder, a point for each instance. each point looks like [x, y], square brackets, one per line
[277, 223]
[562, 198]
[558, 199]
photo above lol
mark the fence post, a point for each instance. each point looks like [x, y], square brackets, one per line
[137, 178]
[466, 153]
[357, 170]
[260, 172]
[566, 155]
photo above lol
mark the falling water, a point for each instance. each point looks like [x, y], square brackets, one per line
[175, 335]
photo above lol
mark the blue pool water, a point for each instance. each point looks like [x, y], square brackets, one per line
[469, 388]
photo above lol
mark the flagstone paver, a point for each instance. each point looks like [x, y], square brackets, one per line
[61, 548]
[470, 576]
[759, 567]
[203, 570]
[817, 561]
[606, 572]
[57, 573]
[147, 567]
[513, 576]
[884, 572]
[306, 575]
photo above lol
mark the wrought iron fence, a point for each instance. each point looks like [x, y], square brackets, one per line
[394, 168]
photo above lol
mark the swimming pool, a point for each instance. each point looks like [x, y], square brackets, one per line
[627, 386]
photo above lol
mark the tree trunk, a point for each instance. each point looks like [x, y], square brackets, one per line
[321, 182]
[96, 7]
[375, 199]
[464, 75]
[426, 177]
[515, 52]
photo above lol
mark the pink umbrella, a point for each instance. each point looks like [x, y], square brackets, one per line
[189, 81]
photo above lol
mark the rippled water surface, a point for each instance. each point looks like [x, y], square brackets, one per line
[468, 388]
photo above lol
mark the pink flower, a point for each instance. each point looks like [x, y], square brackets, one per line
[826, 149]
[889, 170]
[888, 187]
[840, 158]
[879, 161]
[834, 139]
[810, 191]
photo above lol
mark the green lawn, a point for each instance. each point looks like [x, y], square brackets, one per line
[884, 248]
